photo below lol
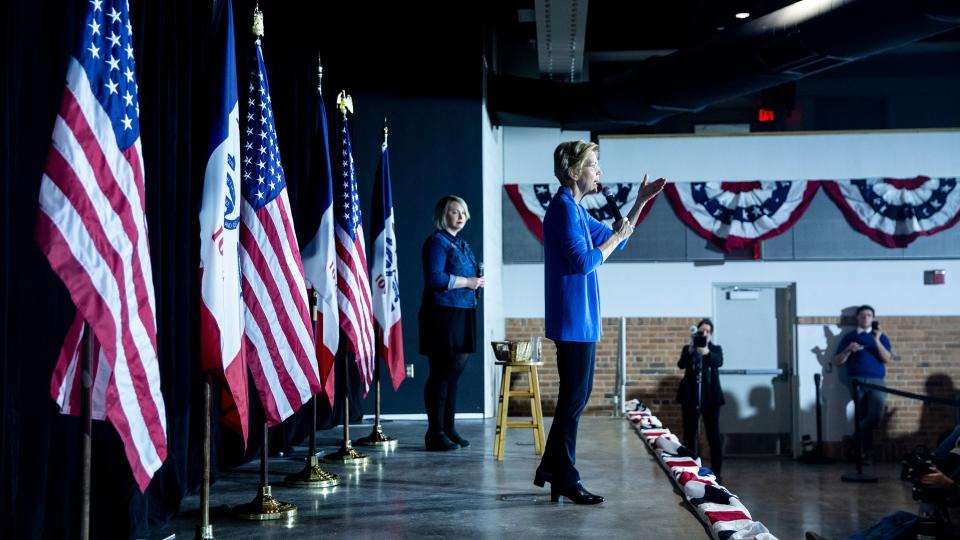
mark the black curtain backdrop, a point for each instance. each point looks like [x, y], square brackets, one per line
[394, 62]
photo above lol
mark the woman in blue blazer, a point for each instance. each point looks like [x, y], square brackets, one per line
[448, 321]
[574, 246]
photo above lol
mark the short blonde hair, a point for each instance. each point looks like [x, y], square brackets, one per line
[441, 209]
[571, 155]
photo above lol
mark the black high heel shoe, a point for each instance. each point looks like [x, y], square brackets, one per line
[575, 493]
[456, 438]
[542, 477]
[439, 442]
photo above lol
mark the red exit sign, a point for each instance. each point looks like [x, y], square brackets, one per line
[765, 115]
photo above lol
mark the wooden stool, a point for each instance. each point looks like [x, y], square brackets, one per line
[535, 423]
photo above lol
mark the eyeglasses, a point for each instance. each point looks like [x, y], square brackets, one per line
[594, 166]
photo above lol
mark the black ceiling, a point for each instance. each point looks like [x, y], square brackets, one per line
[621, 35]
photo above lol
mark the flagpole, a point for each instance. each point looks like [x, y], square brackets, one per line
[377, 437]
[312, 476]
[346, 453]
[86, 419]
[205, 530]
[263, 506]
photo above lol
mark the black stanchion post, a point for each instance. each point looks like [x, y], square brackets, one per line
[698, 367]
[816, 386]
[858, 476]
[856, 425]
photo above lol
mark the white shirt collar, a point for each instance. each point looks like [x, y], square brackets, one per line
[864, 330]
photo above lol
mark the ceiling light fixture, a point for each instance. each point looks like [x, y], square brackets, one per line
[742, 15]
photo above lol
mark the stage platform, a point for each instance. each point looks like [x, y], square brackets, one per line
[411, 493]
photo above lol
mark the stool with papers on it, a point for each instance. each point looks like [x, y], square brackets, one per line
[518, 362]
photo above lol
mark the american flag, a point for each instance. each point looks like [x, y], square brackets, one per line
[277, 337]
[320, 258]
[221, 306]
[386, 280]
[353, 282]
[92, 227]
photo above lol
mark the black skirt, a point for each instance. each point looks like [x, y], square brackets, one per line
[447, 330]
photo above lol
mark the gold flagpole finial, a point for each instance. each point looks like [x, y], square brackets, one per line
[319, 73]
[257, 21]
[385, 132]
[345, 102]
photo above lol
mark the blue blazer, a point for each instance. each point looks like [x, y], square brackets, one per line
[571, 289]
[446, 255]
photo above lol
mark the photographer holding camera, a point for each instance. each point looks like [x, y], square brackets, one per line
[937, 491]
[699, 393]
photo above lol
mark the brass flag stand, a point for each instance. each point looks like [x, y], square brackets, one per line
[312, 476]
[264, 507]
[346, 453]
[377, 437]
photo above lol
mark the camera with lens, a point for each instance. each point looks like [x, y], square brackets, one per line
[915, 465]
[699, 340]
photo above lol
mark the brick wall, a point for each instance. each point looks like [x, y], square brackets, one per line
[927, 361]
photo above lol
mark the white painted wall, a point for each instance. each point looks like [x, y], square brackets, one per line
[528, 153]
[683, 290]
[816, 344]
[493, 321]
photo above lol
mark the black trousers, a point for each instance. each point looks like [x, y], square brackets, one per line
[575, 363]
[711, 422]
[440, 392]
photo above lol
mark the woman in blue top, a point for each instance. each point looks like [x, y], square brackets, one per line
[574, 245]
[448, 327]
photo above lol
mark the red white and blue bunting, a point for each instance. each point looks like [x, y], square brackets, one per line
[532, 200]
[724, 514]
[735, 215]
[894, 212]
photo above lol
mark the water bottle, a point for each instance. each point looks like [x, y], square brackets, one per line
[535, 345]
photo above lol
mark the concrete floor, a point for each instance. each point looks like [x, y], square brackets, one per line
[411, 493]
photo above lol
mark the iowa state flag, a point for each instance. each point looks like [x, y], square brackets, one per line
[320, 257]
[385, 288]
[221, 308]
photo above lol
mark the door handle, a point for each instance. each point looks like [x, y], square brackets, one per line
[775, 372]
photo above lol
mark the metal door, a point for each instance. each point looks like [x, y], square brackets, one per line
[755, 326]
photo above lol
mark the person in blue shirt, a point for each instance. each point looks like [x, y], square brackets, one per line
[447, 319]
[574, 246]
[865, 352]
